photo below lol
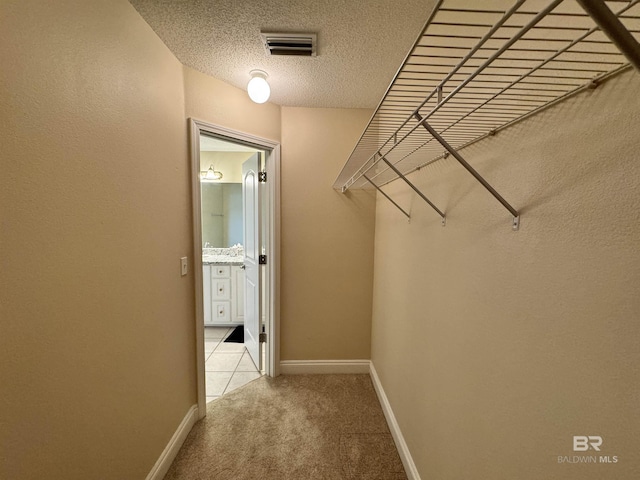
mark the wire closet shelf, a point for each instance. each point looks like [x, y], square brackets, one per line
[478, 67]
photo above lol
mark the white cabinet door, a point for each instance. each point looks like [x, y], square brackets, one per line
[237, 299]
[221, 312]
[223, 294]
[220, 289]
[221, 271]
[206, 293]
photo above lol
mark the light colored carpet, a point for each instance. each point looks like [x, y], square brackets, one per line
[293, 427]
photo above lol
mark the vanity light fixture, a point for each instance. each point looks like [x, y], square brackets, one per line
[211, 174]
[258, 88]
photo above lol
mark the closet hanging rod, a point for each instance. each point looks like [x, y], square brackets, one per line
[483, 40]
[519, 80]
[459, 119]
[519, 119]
[538, 67]
[462, 85]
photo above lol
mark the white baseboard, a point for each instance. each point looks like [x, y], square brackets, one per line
[298, 367]
[407, 461]
[169, 453]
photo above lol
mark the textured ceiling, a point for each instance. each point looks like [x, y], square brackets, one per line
[361, 44]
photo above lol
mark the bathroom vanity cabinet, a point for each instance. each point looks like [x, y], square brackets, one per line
[223, 293]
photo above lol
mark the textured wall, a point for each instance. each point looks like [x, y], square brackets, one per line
[327, 239]
[214, 101]
[494, 347]
[97, 344]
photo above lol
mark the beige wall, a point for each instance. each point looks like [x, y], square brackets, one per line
[327, 239]
[97, 346]
[494, 347]
[97, 352]
[214, 101]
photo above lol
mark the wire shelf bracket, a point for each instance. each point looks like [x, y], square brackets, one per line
[388, 197]
[415, 189]
[614, 29]
[515, 225]
[479, 67]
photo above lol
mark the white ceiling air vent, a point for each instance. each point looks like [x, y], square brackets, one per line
[297, 44]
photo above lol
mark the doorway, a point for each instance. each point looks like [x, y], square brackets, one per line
[235, 198]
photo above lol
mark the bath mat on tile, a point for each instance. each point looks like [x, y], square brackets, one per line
[237, 336]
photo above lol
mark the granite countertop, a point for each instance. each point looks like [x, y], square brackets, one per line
[222, 260]
[223, 256]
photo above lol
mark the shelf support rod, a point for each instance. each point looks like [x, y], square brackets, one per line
[413, 187]
[470, 169]
[613, 28]
[460, 64]
[387, 196]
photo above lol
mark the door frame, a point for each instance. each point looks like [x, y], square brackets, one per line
[272, 313]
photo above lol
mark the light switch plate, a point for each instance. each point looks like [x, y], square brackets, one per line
[183, 266]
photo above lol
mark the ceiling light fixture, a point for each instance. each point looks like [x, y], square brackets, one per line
[210, 174]
[258, 88]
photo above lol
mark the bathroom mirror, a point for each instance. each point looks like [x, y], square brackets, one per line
[221, 214]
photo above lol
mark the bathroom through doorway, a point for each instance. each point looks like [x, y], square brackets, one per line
[235, 213]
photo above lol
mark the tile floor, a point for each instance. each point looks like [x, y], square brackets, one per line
[227, 365]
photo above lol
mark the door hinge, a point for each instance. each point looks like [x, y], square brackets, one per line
[262, 259]
[263, 338]
[262, 177]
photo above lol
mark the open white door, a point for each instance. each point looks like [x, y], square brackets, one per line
[251, 218]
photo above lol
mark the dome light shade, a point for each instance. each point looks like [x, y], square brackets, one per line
[258, 88]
